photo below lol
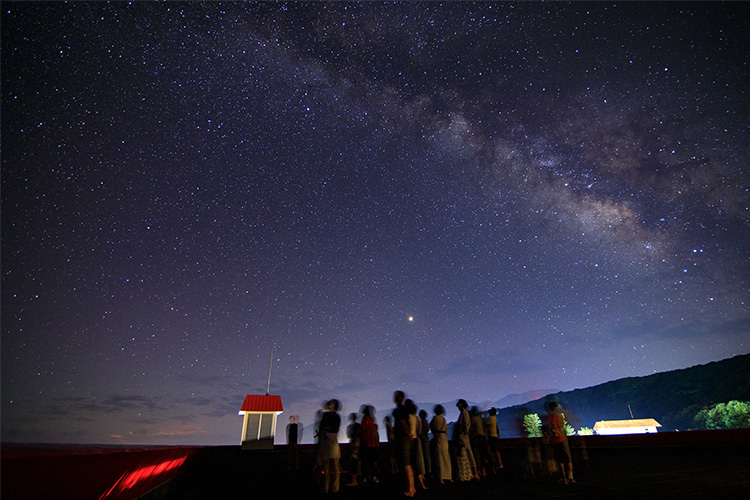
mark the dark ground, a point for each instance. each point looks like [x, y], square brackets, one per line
[695, 464]
[659, 470]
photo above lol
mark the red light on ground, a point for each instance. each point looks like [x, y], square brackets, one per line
[130, 479]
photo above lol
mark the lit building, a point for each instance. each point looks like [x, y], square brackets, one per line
[635, 426]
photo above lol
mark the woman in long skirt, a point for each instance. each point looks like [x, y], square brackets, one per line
[442, 458]
[467, 467]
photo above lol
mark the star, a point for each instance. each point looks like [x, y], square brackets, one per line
[190, 183]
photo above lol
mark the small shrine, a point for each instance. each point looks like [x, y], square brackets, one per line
[259, 423]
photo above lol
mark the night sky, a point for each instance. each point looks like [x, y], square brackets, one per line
[458, 200]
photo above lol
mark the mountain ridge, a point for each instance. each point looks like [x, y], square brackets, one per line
[672, 397]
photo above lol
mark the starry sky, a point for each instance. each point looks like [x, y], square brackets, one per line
[460, 200]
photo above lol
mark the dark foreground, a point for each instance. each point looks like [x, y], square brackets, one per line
[667, 465]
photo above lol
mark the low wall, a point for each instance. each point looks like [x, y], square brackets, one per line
[66, 471]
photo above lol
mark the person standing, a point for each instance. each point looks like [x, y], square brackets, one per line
[559, 442]
[424, 439]
[490, 426]
[329, 452]
[354, 433]
[391, 436]
[478, 440]
[403, 442]
[292, 439]
[370, 445]
[415, 429]
[467, 467]
[442, 461]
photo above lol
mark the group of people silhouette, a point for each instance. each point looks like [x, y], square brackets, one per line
[471, 453]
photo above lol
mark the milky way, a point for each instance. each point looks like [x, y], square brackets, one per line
[457, 200]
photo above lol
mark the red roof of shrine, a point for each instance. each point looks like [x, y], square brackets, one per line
[257, 402]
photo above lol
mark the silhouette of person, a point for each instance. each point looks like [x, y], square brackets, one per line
[391, 436]
[403, 442]
[493, 441]
[370, 445]
[293, 434]
[354, 433]
[559, 441]
[329, 452]
[441, 450]
[478, 440]
[424, 438]
[415, 429]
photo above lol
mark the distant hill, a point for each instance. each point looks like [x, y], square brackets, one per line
[518, 399]
[511, 399]
[672, 398]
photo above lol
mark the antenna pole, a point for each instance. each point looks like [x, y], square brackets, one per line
[270, 364]
[631, 411]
